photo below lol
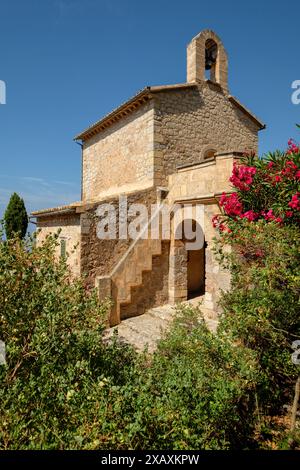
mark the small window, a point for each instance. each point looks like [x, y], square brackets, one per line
[63, 248]
[209, 154]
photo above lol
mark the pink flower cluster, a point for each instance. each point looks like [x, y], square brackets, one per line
[231, 204]
[217, 223]
[290, 169]
[234, 208]
[293, 147]
[242, 176]
[270, 216]
[295, 203]
[250, 215]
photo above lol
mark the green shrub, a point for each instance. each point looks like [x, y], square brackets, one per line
[260, 223]
[63, 387]
[262, 307]
[198, 392]
[56, 360]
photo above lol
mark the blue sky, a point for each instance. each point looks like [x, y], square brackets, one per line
[68, 62]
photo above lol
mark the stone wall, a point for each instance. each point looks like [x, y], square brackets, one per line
[203, 179]
[70, 232]
[217, 278]
[121, 157]
[177, 272]
[198, 184]
[190, 121]
[99, 257]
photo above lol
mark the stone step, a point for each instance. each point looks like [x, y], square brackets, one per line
[131, 275]
[129, 336]
[146, 325]
[148, 329]
[163, 313]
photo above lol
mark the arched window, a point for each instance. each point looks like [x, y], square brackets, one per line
[209, 154]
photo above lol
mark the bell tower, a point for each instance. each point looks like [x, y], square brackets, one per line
[206, 53]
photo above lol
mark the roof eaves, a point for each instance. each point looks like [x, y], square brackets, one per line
[142, 97]
[119, 112]
[71, 208]
[127, 107]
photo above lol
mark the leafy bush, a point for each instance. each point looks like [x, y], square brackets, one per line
[52, 329]
[261, 225]
[197, 393]
[65, 388]
[262, 307]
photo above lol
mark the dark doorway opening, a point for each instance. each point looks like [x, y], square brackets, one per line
[196, 273]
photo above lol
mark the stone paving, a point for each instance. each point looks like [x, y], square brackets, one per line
[145, 330]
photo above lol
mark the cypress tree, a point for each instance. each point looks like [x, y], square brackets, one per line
[15, 217]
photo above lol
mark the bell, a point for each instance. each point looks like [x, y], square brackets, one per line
[208, 64]
[210, 57]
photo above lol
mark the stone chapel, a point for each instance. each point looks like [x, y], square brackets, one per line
[168, 145]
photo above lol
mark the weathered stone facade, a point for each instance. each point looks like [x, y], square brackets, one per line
[68, 228]
[121, 157]
[190, 121]
[170, 145]
[99, 257]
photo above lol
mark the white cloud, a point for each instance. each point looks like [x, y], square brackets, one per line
[37, 192]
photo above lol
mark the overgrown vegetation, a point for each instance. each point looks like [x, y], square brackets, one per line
[261, 311]
[63, 387]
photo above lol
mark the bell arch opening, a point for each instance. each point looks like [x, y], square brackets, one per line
[207, 59]
[211, 57]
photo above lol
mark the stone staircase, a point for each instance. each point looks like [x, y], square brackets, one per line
[127, 275]
[129, 272]
[146, 330]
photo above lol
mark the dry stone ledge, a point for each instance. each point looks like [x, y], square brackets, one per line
[146, 330]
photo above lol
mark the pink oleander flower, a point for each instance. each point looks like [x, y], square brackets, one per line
[291, 165]
[215, 221]
[231, 204]
[293, 148]
[295, 203]
[269, 215]
[242, 176]
[250, 215]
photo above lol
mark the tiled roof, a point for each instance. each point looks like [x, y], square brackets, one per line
[56, 210]
[124, 109]
[142, 97]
